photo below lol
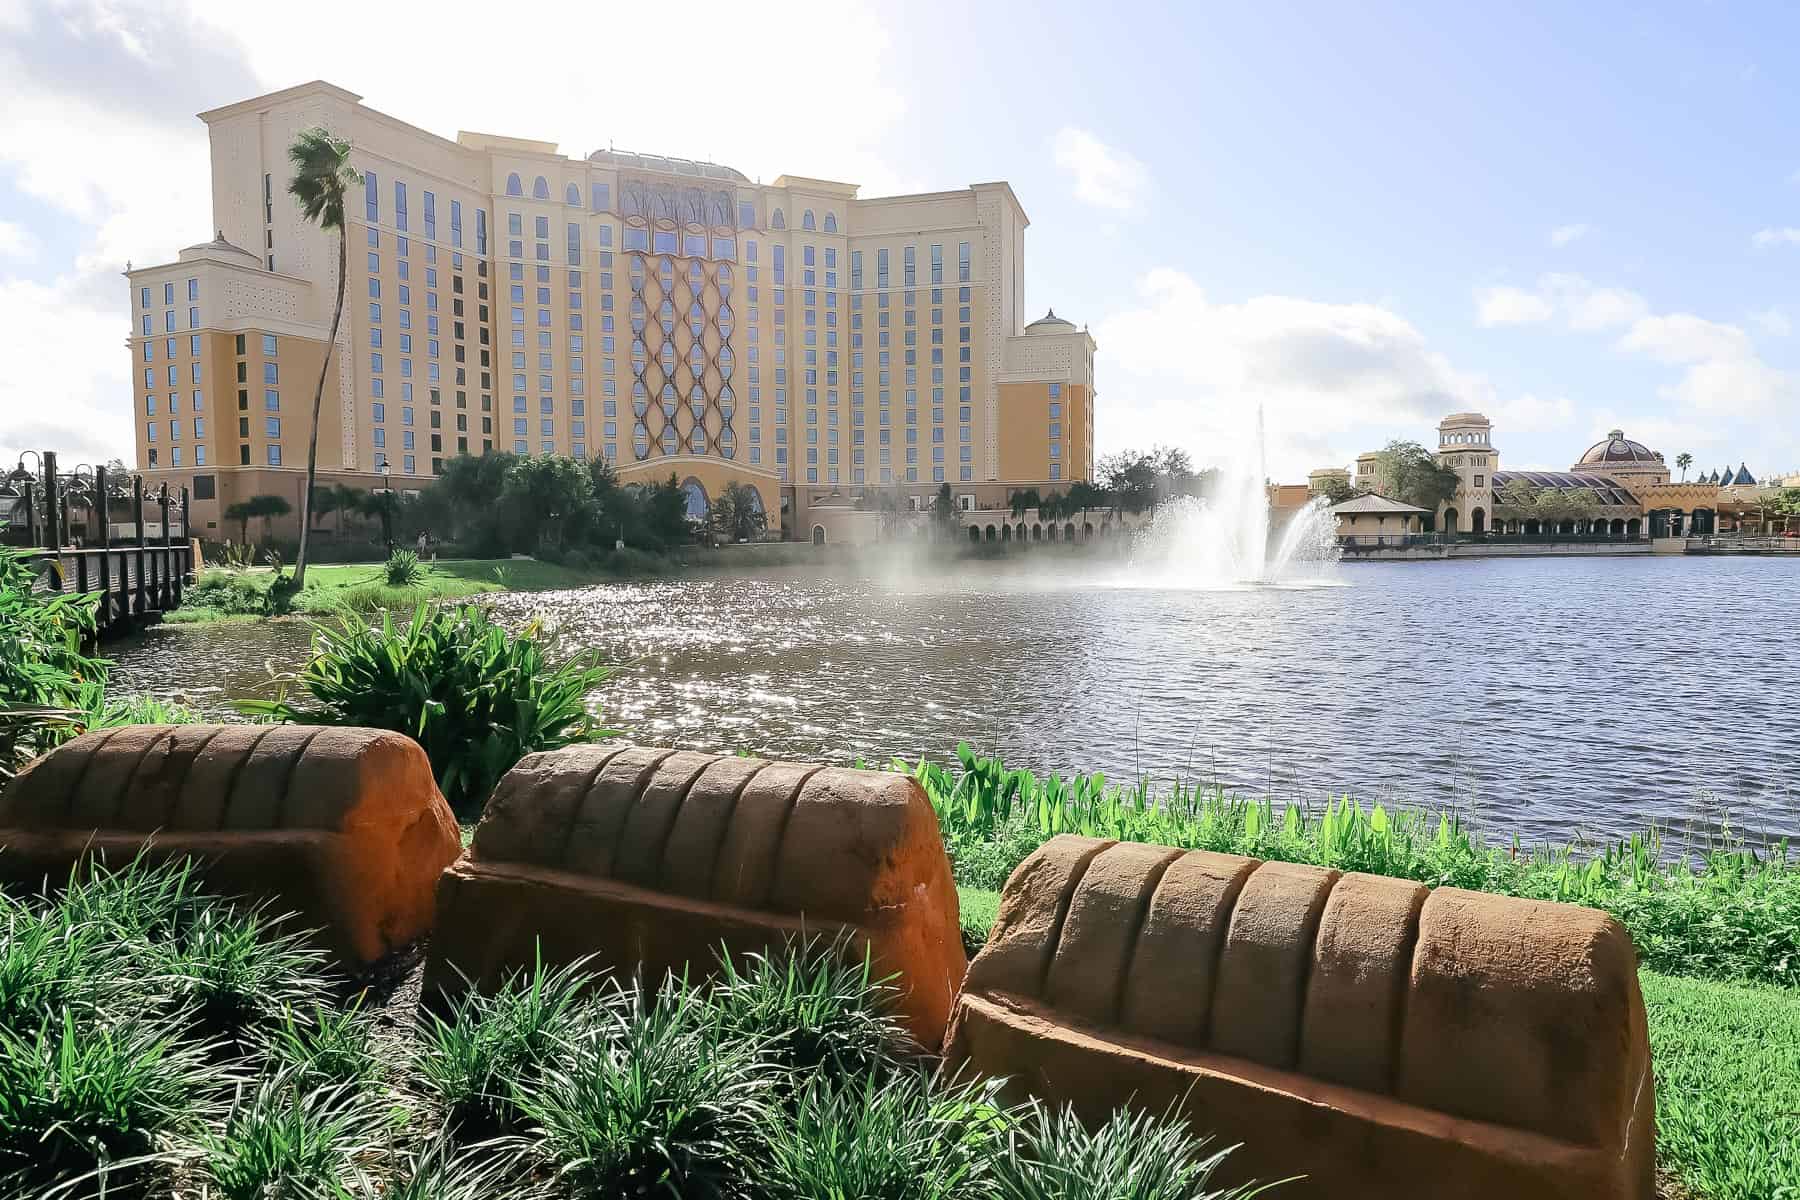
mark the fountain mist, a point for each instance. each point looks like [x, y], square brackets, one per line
[1224, 540]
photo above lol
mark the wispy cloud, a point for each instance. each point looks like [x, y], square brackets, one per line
[1563, 235]
[1510, 306]
[1773, 321]
[15, 242]
[1105, 176]
[1765, 238]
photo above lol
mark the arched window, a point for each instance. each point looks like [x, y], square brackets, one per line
[830, 222]
[572, 196]
[513, 186]
[777, 221]
[540, 188]
[806, 220]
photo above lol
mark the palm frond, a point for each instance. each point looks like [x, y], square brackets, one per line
[323, 176]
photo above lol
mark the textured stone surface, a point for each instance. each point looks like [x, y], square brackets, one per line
[667, 856]
[345, 827]
[1382, 1040]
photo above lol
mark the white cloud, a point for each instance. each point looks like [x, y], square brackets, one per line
[1588, 307]
[1563, 235]
[1773, 321]
[1579, 304]
[15, 241]
[1681, 338]
[1105, 176]
[1765, 238]
[1510, 306]
[1531, 414]
[1333, 379]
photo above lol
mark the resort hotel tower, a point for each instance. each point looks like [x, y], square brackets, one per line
[667, 315]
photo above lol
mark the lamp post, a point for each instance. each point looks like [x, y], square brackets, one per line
[387, 508]
[26, 483]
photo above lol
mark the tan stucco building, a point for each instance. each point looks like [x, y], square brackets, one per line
[1625, 483]
[668, 315]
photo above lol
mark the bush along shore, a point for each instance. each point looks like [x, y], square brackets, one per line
[155, 1040]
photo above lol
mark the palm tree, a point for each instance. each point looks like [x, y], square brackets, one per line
[322, 178]
[344, 500]
[1684, 460]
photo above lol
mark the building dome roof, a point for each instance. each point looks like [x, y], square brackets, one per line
[1617, 448]
[1050, 323]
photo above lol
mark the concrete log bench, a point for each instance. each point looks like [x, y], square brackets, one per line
[1383, 1039]
[343, 827]
[656, 859]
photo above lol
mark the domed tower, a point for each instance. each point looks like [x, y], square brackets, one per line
[1618, 457]
[1465, 446]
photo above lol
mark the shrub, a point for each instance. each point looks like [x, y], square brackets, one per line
[42, 668]
[476, 1060]
[656, 1099]
[402, 569]
[476, 697]
[231, 592]
[813, 1007]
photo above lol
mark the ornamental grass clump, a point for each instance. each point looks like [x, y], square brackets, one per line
[656, 1098]
[896, 1136]
[1054, 1155]
[477, 697]
[491, 1047]
[92, 1101]
[280, 1140]
[815, 1006]
[403, 569]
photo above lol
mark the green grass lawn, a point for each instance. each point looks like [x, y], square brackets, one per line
[222, 595]
[1727, 1060]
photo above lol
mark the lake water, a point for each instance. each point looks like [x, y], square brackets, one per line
[1554, 697]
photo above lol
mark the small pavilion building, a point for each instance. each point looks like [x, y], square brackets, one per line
[1372, 516]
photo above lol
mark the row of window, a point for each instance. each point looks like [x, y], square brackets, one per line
[168, 293]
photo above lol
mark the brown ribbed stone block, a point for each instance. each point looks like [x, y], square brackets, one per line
[343, 827]
[648, 861]
[1380, 1039]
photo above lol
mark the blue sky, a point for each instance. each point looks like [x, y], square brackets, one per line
[1571, 217]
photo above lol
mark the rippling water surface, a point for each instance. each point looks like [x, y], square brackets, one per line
[1549, 696]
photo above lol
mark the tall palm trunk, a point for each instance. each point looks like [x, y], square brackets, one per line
[312, 444]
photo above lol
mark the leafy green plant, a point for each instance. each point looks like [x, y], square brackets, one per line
[475, 696]
[475, 1060]
[655, 1100]
[1054, 1155]
[43, 671]
[403, 569]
